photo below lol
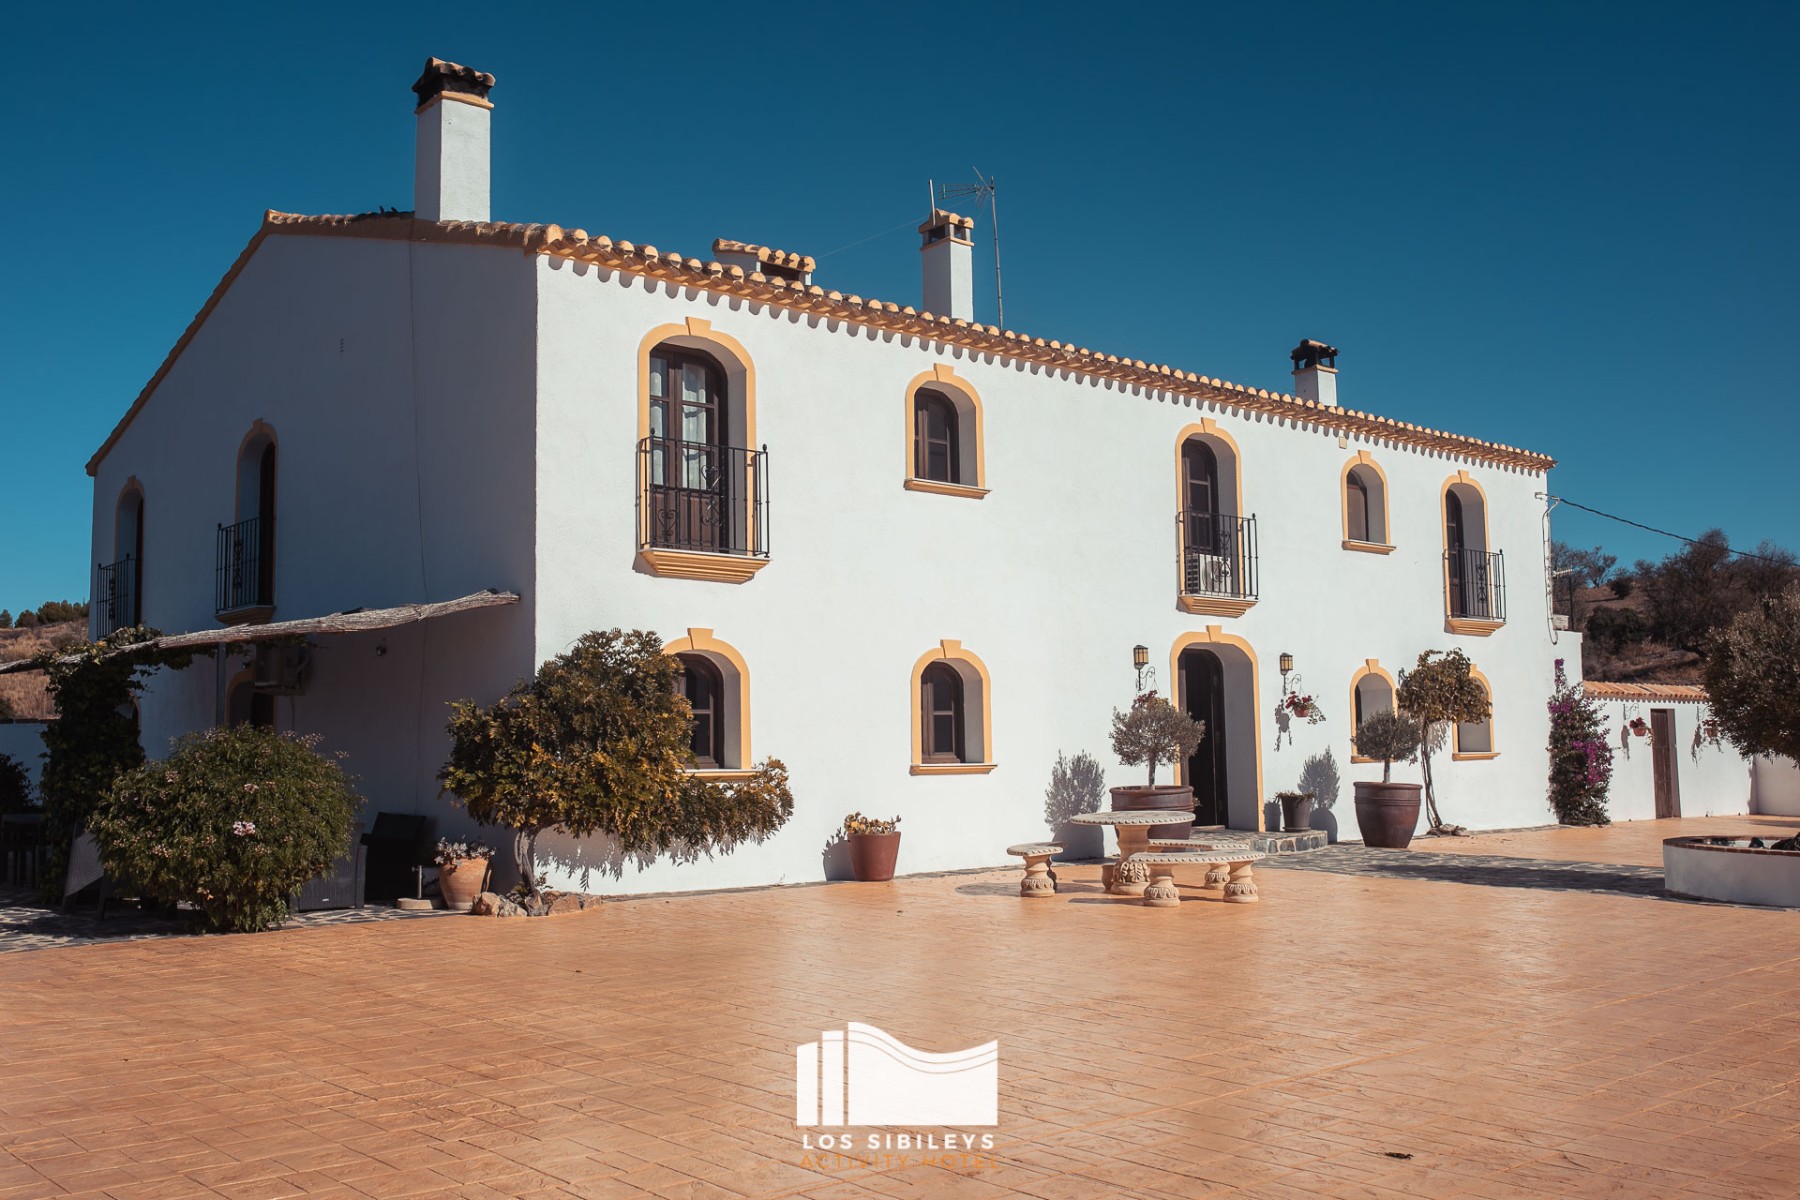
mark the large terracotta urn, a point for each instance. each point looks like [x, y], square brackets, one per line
[1181, 799]
[462, 881]
[872, 856]
[1387, 813]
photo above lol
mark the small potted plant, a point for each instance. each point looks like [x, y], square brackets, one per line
[462, 871]
[1155, 731]
[874, 845]
[1388, 812]
[1296, 811]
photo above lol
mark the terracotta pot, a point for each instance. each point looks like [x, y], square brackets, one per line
[1388, 813]
[1135, 799]
[1296, 815]
[461, 882]
[872, 856]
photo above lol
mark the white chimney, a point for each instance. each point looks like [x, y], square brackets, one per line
[949, 255]
[1315, 372]
[450, 168]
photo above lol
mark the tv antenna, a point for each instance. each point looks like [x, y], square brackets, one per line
[985, 190]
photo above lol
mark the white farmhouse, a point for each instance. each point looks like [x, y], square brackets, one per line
[906, 553]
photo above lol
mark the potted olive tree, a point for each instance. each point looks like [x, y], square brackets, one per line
[1155, 731]
[874, 846]
[1388, 812]
[1440, 691]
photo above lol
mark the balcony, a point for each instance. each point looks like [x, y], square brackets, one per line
[116, 595]
[702, 510]
[1218, 563]
[245, 591]
[1474, 591]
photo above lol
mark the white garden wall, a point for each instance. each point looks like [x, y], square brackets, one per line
[1713, 780]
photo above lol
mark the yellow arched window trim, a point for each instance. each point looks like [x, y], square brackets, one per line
[702, 641]
[942, 375]
[1214, 635]
[1386, 546]
[1209, 606]
[1456, 732]
[950, 650]
[1370, 667]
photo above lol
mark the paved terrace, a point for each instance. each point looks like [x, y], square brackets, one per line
[1354, 1035]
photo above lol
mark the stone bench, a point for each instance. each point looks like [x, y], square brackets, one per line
[1229, 868]
[1039, 879]
[1220, 873]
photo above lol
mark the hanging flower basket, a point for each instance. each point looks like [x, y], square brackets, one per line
[1639, 727]
[1301, 707]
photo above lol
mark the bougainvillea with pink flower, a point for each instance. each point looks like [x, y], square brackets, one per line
[1581, 758]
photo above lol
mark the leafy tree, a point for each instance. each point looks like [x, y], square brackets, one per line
[6, 621]
[27, 620]
[1438, 692]
[1580, 755]
[1154, 731]
[1390, 736]
[233, 821]
[1701, 587]
[1611, 630]
[54, 612]
[94, 738]
[598, 742]
[1576, 571]
[1753, 677]
[15, 785]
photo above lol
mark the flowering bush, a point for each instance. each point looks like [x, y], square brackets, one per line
[1580, 756]
[1154, 731]
[857, 823]
[233, 821]
[450, 853]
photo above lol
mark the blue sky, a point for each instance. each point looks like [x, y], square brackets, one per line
[1567, 227]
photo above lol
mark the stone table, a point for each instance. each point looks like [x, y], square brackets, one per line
[1132, 828]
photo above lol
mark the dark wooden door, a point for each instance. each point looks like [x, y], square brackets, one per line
[1203, 681]
[1664, 762]
[1455, 563]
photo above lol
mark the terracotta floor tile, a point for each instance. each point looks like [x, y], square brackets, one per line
[1516, 1042]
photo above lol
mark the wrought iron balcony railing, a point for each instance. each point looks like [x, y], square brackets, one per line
[116, 595]
[701, 497]
[1218, 555]
[245, 573]
[1475, 584]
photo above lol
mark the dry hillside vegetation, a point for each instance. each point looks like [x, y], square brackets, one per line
[24, 693]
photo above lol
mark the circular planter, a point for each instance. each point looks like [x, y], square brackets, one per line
[461, 882]
[1296, 815]
[872, 856]
[1137, 799]
[1388, 813]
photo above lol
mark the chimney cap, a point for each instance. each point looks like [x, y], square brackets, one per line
[1309, 354]
[440, 77]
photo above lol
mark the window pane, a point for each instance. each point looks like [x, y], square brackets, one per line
[943, 734]
[659, 375]
[1356, 497]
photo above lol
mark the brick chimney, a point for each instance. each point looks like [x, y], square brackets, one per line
[1315, 371]
[450, 167]
[949, 255]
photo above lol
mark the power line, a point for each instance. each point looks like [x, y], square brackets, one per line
[1664, 532]
[870, 238]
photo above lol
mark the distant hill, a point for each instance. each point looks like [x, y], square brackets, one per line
[25, 694]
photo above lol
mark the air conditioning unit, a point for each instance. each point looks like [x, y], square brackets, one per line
[1208, 575]
[280, 667]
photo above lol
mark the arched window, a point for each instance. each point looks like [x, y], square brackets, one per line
[941, 714]
[943, 422]
[716, 681]
[701, 683]
[246, 554]
[1474, 575]
[952, 722]
[1365, 506]
[1217, 543]
[1371, 692]
[119, 588]
[1475, 739]
[936, 455]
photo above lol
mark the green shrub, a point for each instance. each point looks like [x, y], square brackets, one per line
[15, 785]
[233, 821]
[598, 742]
[1391, 737]
[1154, 731]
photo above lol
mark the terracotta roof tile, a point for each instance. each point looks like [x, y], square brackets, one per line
[1600, 689]
[802, 263]
[577, 245]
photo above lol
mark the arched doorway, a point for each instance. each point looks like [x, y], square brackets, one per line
[1203, 694]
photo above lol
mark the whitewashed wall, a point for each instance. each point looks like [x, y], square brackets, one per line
[1051, 579]
[403, 476]
[1776, 786]
[1714, 780]
[24, 742]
